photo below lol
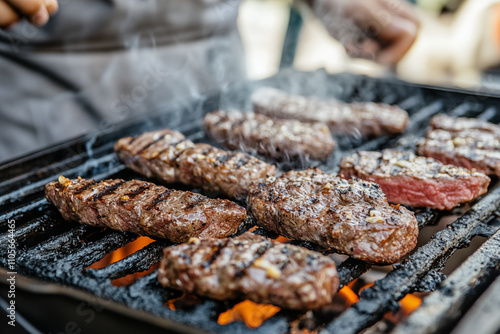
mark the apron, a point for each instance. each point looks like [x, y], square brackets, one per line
[99, 62]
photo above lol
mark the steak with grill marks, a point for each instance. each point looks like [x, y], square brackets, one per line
[277, 138]
[169, 156]
[144, 208]
[416, 181]
[361, 118]
[465, 142]
[251, 267]
[351, 216]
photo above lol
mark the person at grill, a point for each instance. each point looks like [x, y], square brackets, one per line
[99, 62]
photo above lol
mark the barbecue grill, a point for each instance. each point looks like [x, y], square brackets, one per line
[55, 293]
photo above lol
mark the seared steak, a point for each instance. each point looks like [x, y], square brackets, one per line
[277, 138]
[351, 216]
[144, 208]
[251, 267]
[466, 142]
[458, 124]
[169, 156]
[362, 118]
[417, 181]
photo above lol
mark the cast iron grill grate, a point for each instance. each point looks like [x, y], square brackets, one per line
[53, 250]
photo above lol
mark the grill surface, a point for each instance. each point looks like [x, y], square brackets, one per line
[53, 250]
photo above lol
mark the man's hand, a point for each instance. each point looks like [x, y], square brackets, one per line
[382, 30]
[36, 11]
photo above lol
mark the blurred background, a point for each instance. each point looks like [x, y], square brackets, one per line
[458, 43]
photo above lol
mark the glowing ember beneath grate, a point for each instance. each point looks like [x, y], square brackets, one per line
[122, 253]
[251, 313]
[254, 315]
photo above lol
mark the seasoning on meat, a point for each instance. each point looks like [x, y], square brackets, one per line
[351, 216]
[169, 156]
[465, 142]
[417, 181]
[144, 208]
[276, 138]
[251, 267]
[362, 118]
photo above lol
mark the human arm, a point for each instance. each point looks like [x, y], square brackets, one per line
[382, 30]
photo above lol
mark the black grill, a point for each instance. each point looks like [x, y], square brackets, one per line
[52, 250]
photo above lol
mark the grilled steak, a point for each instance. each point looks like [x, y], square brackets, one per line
[252, 267]
[351, 216]
[363, 118]
[277, 138]
[169, 156]
[144, 208]
[417, 181]
[459, 124]
[466, 142]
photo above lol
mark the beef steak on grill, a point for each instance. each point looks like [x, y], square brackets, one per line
[277, 138]
[458, 124]
[252, 267]
[169, 156]
[351, 216]
[362, 118]
[466, 142]
[416, 181]
[144, 208]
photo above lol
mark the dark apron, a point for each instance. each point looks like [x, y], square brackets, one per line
[99, 62]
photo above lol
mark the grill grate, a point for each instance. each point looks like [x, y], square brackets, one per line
[446, 304]
[57, 251]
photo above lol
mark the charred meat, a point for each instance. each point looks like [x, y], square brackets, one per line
[251, 267]
[144, 208]
[351, 216]
[169, 156]
[276, 138]
[466, 142]
[416, 181]
[362, 118]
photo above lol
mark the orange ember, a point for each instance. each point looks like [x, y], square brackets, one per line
[282, 239]
[366, 286]
[171, 304]
[121, 253]
[350, 296]
[251, 313]
[131, 278]
[253, 228]
[410, 303]
[185, 301]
